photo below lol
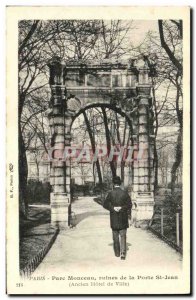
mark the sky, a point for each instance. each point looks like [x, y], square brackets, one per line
[141, 28]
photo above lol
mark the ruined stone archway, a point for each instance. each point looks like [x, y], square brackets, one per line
[123, 86]
[111, 153]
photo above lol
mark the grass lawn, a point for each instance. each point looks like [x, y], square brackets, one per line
[36, 236]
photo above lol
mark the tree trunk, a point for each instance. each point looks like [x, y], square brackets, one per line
[107, 134]
[156, 166]
[155, 161]
[178, 154]
[167, 49]
[178, 158]
[122, 171]
[23, 173]
[94, 175]
[93, 146]
[23, 167]
[37, 165]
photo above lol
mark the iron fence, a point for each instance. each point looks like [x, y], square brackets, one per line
[167, 224]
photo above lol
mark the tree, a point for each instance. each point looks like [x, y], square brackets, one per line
[166, 44]
[93, 144]
[32, 63]
[164, 52]
[26, 45]
[70, 40]
[171, 40]
[114, 41]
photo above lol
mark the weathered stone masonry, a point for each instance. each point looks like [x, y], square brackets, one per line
[123, 87]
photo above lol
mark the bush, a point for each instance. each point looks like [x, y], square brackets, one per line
[100, 188]
[38, 192]
[88, 190]
[173, 202]
[177, 185]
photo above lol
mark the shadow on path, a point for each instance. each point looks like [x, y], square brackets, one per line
[127, 245]
[82, 216]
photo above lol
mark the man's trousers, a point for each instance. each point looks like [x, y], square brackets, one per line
[119, 239]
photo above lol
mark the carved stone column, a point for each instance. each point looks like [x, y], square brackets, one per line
[59, 198]
[145, 194]
[68, 121]
[135, 188]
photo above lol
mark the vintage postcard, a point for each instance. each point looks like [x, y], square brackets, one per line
[98, 150]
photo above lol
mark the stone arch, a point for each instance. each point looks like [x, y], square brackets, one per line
[112, 108]
[128, 94]
[117, 109]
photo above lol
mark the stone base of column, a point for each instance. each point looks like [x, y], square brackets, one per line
[60, 208]
[144, 208]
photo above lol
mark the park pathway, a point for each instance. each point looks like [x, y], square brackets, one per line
[88, 246]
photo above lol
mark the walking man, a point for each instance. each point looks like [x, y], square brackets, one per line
[118, 202]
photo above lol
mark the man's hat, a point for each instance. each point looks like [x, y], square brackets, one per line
[117, 180]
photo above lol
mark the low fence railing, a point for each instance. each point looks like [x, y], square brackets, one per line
[37, 259]
[167, 224]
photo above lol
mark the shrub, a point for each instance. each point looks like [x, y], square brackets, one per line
[38, 192]
[177, 185]
[173, 201]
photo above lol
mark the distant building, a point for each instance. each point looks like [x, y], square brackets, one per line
[38, 169]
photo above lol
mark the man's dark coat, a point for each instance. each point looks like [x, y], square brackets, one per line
[118, 197]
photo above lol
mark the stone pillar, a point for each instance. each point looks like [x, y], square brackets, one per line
[135, 168]
[68, 121]
[134, 147]
[59, 198]
[145, 194]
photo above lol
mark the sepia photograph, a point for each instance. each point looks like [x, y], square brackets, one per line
[98, 150]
